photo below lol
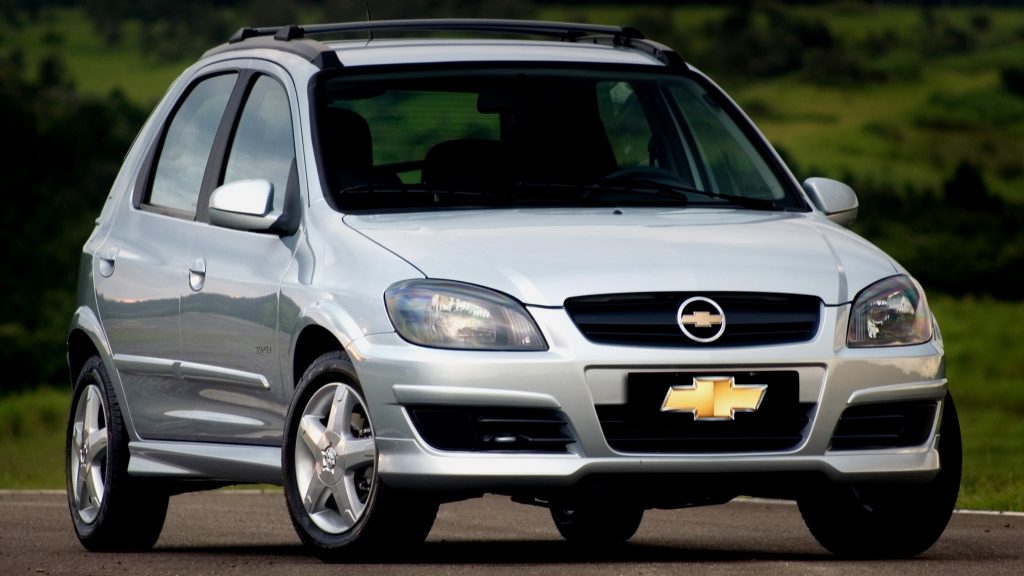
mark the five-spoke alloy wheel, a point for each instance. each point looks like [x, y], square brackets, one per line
[88, 454]
[338, 503]
[110, 510]
[335, 458]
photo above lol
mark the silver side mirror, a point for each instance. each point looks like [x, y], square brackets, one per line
[837, 200]
[244, 205]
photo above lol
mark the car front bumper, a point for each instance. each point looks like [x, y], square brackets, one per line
[574, 376]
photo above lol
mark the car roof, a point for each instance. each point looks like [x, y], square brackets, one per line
[563, 42]
[428, 51]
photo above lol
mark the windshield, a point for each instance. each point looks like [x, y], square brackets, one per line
[536, 137]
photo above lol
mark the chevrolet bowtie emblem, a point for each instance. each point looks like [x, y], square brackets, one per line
[702, 319]
[714, 398]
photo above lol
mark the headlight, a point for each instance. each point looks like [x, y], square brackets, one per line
[445, 314]
[891, 312]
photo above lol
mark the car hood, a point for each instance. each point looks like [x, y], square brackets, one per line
[543, 256]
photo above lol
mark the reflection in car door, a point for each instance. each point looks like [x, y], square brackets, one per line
[138, 271]
[230, 306]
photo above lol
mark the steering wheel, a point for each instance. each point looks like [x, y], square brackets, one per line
[651, 174]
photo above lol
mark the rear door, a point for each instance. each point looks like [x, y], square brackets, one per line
[141, 265]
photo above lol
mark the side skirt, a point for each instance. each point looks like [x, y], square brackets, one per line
[200, 461]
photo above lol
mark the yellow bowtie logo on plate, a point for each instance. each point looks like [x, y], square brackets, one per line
[714, 398]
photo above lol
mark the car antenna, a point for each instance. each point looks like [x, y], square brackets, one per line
[369, 19]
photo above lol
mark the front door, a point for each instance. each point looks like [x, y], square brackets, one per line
[230, 304]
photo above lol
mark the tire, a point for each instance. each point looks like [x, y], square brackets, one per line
[110, 510]
[881, 520]
[596, 522]
[338, 504]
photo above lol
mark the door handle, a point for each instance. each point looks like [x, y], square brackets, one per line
[197, 274]
[106, 262]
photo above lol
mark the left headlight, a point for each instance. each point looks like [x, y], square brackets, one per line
[446, 314]
[890, 312]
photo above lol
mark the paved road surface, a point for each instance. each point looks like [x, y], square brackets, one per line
[249, 534]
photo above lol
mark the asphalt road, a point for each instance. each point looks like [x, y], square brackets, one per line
[250, 533]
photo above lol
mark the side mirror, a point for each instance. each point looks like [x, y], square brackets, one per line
[837, 200]
[244, 205]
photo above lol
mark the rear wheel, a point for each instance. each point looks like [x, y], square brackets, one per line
[110, 510]
[338, 504]
[596, 522]
[888, 520]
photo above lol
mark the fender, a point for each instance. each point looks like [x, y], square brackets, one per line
[331, 317]
[86, 321]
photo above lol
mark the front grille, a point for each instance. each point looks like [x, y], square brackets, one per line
[651, 319]
[894, 425]
[640, 426]
[492, 429]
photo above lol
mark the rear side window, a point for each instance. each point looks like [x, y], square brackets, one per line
[264, 145]
[178, 175]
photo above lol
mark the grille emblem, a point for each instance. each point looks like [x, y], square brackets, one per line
[701, 319]
[714, 398]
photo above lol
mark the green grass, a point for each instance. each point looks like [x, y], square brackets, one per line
[32, 438]
[96, 67]
[985, 374]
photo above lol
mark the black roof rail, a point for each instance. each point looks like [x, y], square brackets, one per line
[665, 54]
[294, 38]
[563, 30]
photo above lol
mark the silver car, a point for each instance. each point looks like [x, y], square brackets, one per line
[393, 273]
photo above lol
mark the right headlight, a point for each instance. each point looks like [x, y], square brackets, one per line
[890, 312]
[446, 314]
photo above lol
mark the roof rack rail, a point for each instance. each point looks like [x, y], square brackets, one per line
[295, 38]
[563, 30]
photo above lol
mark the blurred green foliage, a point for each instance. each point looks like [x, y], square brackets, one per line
[57, 173]
[920, 109]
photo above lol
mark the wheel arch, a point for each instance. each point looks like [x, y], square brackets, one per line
[312, 342]
[85, 340]
[80, 348]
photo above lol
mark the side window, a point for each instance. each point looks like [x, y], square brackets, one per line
[186, 148]
[264, 144]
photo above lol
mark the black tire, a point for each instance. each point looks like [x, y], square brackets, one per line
[596, 522]
[881, 520]
[131, 512]
[387, 517]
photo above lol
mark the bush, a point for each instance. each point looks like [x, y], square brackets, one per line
[960, 240]
[69, 152]
[764, 40]
[941, 37]
[1012, 78]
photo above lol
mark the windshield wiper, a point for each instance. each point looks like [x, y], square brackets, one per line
[419, 189]
[431, 195]
[665, 188]
[589, 193]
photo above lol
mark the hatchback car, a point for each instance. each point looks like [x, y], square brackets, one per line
[559, 264]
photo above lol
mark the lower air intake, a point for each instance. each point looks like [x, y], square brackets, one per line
[482, 429]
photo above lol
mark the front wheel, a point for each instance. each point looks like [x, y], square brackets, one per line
[337, 501]
[888, 520]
